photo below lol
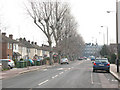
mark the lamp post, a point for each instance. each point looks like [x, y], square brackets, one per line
[107, 33]
[117, 59]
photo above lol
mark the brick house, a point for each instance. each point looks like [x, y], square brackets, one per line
[7, 46]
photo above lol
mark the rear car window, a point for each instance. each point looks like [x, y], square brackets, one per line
[101, 60]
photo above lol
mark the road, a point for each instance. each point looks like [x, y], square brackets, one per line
[77, 74]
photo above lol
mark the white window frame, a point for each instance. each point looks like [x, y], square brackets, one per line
[8, 45]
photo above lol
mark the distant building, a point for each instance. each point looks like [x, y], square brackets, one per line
[92, 49]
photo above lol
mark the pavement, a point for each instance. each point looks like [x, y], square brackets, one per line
[113, 71]
[17, 71]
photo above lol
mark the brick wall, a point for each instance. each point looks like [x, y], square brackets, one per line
[6, 51]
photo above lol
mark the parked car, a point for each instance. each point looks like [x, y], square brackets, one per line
[10, 62]
[101, 64]
[64, 61]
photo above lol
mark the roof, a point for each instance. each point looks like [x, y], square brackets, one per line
[7, 39]
[25, 43]
[36, 46]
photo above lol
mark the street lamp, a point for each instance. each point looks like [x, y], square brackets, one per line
[117, 59]
[107, 33]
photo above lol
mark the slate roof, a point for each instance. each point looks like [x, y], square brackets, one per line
[7, 39]
[25, 43]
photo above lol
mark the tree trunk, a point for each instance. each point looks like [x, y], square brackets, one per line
[50, 52]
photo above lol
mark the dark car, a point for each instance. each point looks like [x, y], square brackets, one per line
[101, 64]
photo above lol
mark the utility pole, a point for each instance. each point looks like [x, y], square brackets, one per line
[117, 59]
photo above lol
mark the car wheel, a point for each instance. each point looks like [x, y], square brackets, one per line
[93, 70]
[108, 71]
[10, 67]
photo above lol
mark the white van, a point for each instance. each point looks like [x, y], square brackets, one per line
[11, 63]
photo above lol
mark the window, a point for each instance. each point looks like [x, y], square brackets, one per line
[8, 45]
[15, 46]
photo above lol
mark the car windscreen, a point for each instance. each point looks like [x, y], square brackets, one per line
[101, 60]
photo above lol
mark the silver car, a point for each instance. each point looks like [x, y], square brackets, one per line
[9, 62]
[64, 61]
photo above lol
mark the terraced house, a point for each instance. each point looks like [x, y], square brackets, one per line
[7, 46]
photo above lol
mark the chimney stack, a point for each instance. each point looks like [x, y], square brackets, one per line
[20, 39]
[3, 33]
[24, 39]
[32, 42]
[29, 41]
[35, 43]
[11, 36]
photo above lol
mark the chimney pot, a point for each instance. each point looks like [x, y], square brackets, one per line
[20, 39]
[4, 34]
[32, 42]
[11, 36]
[35, 43]
[29, 41]
[24, 39]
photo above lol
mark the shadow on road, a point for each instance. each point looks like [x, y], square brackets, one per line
[100, 71]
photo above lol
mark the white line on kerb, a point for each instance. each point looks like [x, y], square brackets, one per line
[91, 78]
[43, 82]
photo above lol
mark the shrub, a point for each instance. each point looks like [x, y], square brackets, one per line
[113, 58]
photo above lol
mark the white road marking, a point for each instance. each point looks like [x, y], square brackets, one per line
[56, 75]
[114, 80]
[61, 73]
[69, 68]
[53, 77]
[44, 69]
[60, 69]
[43, 82]
[91, 78]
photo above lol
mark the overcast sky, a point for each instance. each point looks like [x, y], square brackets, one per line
[90, 15]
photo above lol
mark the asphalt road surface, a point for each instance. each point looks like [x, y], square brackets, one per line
[77, 74]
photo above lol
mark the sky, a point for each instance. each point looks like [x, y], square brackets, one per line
[90, 15]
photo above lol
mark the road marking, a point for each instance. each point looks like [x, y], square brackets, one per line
[43, 82]
[114, 80]
[44, 69]
[69, 68]
[56, 75]
[53, 77]
[60, 69]
[61, 73]
[91, 78]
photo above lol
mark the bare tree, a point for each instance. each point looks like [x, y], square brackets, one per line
[41, 13]
[55, 20]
